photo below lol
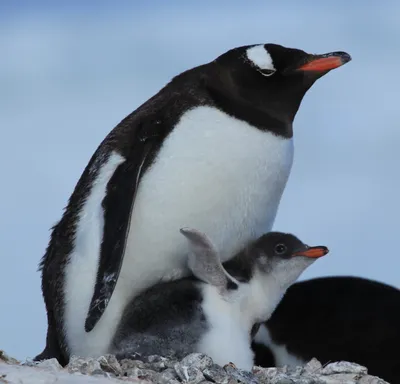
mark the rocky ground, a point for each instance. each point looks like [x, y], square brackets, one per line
[193, 369]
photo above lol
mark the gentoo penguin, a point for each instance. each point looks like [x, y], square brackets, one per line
[214, 147]
[214, 311]
[335, 318]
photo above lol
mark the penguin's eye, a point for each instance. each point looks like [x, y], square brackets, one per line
[280, 248]
[267, 72]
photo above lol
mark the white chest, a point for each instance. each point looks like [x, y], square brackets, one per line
[230, 317]
[227, 338]
[216, 174]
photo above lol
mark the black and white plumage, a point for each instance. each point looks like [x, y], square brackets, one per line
[213, 148]
[214, 311]
[337, 318]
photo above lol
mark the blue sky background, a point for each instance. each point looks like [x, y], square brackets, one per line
[71, 70]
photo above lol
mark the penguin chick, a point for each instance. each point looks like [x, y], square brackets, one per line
[214, 310]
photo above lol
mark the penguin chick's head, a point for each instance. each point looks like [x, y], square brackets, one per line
[265, 269]
[271, 78]
[277, 257]
[282, 257]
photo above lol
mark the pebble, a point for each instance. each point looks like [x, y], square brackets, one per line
[313, 366]
[110, 364]
[216, 374]
[129, 366]
[198, 360]
[343, 367]
[244, 377]
[84, 366]
[371, 380]
[168, 376]
[50, 364]
[190, 368]
[189, 374]
[195, 368]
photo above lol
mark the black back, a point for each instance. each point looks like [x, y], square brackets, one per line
[339, 318]
[167, 319]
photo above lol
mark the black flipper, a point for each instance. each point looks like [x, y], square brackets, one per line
[118, 205]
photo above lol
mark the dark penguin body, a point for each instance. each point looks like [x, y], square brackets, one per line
[215, 310]
[335, 318]
[216, 141]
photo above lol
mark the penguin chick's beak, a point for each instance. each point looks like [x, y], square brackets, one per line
[326, 62]
[313, 252]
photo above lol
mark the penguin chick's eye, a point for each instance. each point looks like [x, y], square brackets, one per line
[280, 248]
[267, 72]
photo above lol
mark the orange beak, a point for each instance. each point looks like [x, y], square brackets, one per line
[313, 252]
[324, 63]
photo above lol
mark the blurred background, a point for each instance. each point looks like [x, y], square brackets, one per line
[71, 70]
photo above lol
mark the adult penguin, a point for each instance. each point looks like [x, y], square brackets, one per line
[213, 150]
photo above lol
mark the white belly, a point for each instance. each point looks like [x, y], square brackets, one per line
[281, 355]
[214, 173]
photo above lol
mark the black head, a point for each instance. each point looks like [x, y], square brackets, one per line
[283, 257]
[265, 84]
[285, 246]
[275, 254]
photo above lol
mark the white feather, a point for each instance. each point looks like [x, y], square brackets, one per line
[214, 173]
[227, 339]
[281, 355]
[80, 272]
[232, 316]
[259, 56]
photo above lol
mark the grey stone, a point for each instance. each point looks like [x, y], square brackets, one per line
[84, 366]
[171, 363]
[128, 366]
[190, 368]
[245, 377]
[157, 366]
[146, 374]
[264, 374]
[110, 364]
[198, 360]
[309, 379]
[293, 371]
[286, 375]
[17, 374]
[371, 380]
[7, 359]
[189, 374]
[313, 366]
[343, 367]
[158, 363]
[100, 372]
[168, 376]
[195, 368]
[340, 378]
[216, 374]
[155, 359]
[50, 364]
[280, 378]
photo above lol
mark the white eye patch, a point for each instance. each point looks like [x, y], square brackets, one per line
[261, 59]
